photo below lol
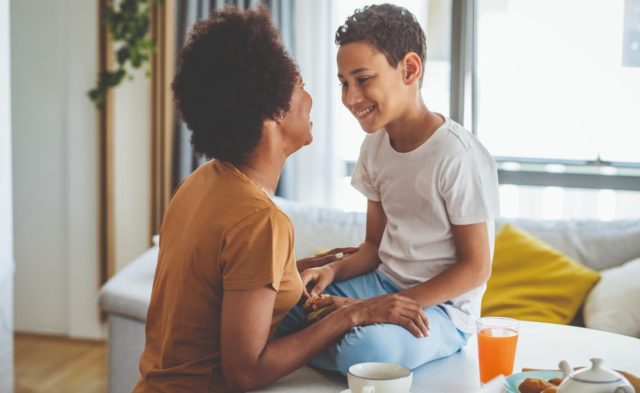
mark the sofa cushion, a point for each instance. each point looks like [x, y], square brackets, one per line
[594, 243]
[532, 281]
[614, 303]
[318, 228]
[128, 293]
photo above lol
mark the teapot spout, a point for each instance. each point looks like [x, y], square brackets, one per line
[566, 368]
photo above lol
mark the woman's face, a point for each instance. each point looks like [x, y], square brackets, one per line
[296, 124]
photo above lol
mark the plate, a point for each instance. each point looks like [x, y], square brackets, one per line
[514, 380]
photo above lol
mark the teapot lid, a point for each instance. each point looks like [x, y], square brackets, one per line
[597, 373]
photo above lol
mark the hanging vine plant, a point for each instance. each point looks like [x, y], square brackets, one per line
[128, 25]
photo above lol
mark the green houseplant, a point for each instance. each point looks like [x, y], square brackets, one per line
[128, 25]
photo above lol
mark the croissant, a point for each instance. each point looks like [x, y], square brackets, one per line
[534, 385]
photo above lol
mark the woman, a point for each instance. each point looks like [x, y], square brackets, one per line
[226, 273]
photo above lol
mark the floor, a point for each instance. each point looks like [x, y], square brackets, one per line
[57, 364]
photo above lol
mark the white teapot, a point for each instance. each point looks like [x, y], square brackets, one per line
[596, 379]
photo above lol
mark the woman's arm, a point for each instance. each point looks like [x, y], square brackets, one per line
[250, 359]
[472, 268]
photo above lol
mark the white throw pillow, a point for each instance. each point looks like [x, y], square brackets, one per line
[614, 303]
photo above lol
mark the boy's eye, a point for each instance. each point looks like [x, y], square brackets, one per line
[363, 80]
[343, 84]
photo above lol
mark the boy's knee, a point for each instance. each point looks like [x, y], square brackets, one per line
[368, 344]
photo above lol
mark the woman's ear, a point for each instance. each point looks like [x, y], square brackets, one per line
[269, 125]
[412, 66]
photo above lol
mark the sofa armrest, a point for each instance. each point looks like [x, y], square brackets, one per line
[128, 293]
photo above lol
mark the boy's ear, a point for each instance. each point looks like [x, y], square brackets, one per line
[412, 66]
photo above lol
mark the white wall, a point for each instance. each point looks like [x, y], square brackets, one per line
[131, 170]
[53, 58]
[81, 169]
[6, 214]
[38, 60]
[55, 167]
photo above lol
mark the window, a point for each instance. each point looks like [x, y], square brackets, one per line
[552, 83]
[551, 88]
[558, 92]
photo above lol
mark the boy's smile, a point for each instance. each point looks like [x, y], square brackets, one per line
[368, 83]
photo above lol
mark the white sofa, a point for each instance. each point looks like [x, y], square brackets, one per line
[597, 244]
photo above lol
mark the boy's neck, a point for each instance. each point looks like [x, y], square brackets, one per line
[413, 128]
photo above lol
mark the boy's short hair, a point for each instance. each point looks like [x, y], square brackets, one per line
[392, 30]
[233, 74]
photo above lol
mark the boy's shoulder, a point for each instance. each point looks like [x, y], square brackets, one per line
[375, 137]
[452, 139]
[373, 141]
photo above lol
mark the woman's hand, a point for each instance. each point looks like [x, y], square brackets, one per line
[326, 305]
[333, 301]
[397, 309]
[324, 258]
[319, 277]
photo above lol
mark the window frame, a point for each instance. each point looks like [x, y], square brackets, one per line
[464, 98]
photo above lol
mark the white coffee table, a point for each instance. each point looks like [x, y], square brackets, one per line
[540, 345]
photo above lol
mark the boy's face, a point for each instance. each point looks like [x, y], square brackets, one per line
[372, 90]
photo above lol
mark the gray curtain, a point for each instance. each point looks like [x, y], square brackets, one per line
[189, 12]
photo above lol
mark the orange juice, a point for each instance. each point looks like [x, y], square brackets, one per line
[496, 351]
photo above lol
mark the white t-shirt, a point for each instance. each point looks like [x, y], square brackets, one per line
[449, 179]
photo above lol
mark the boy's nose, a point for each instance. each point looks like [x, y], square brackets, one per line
[351, 96]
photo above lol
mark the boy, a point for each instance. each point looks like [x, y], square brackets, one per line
[432, 196]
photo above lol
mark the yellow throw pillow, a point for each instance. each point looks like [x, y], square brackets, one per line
[532, 281]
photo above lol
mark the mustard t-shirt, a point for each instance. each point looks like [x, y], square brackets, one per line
[221, 232]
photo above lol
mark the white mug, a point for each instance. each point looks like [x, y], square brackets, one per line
[379, 378]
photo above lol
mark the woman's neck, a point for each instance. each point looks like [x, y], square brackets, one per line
[264, 173]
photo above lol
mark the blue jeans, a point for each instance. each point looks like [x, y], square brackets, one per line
[380, 342]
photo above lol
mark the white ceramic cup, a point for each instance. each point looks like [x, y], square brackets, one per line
[379, 378]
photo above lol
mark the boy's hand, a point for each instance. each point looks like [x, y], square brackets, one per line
[318, 279]
[324, 258]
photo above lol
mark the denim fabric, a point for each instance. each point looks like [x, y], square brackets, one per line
[380, 342]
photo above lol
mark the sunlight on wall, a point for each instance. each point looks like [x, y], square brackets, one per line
[552, 203]
[567, 203]
[606, 204]
[509, 201]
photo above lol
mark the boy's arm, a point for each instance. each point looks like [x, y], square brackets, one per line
[358, 263]
[325, 258]
[366, 259]
[472, 268]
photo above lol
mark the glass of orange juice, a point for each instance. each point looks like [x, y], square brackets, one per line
[497, 339]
